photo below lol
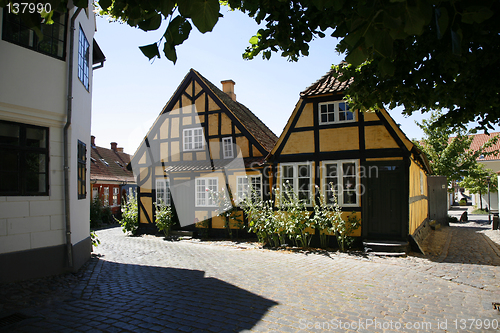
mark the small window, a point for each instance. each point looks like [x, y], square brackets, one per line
[82, 170]
[105, 196]
[193, 139]
[334, 112]
[24, 159]
[227, 147]
[54, 35]
[251, 185]
[83, 59]
[341, 178]
[206, 189]
[115, 196]
[297, 180]
[163, 192]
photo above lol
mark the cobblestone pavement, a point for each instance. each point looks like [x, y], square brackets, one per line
[148, 284]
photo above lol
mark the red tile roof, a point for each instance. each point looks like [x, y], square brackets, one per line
[328, 83]
[480, 139]
[107, 164]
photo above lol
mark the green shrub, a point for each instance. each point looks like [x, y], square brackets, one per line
[94, 239]
[130, 220]
[95, 213]
[163, 218]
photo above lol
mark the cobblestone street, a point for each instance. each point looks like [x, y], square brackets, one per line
[145, 284]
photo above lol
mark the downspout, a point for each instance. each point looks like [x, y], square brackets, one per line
[69, 246]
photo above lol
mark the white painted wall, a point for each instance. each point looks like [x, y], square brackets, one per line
[33, 90]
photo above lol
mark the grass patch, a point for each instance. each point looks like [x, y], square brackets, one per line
[479, 212]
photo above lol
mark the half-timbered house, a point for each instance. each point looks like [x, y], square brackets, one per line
[203, 143]
[364, 158]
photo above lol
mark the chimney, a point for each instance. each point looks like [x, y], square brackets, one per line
[120, 150]
[228, 88]
[92, 141]
[113, 146]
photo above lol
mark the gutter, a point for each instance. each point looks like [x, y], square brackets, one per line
[69, 246]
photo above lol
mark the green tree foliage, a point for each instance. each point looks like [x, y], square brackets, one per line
[130, 214]
[420, 54]
[477, 181]
[448, 150]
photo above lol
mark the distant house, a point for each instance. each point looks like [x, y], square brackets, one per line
[364, 158]
[204, 142]
[45, 111]
[490, 162]
[110, 179]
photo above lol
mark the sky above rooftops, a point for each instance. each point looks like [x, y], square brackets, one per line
[129, 92]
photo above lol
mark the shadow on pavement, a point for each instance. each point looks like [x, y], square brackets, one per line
[135, 297]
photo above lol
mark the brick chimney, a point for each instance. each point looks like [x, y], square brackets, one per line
[228, 88]
[120, 150]
[92, 140]
[113, 146]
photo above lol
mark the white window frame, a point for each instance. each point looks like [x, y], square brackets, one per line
[203, 186]
[116, 190]
[244, 188]
[336, 113]
[295, 178]
[340, 181]
[105, 196]
[163, 194]
[227, 147]
[189, 136]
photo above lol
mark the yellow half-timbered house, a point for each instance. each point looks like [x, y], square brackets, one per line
[203, 142]
[364, 158]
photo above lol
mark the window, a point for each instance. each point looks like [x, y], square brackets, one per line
[243, 188]
[95, 193]
[83, 59]
[82, 170]
[105, 196]
[340, 178]
[24, 161]
[297, 178]
[227, 147]
[115, 196]
[54, 35]
[193, 139]
[334, 112]
[206, 188]
[163, 192]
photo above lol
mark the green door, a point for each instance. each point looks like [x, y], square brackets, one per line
[385, 202]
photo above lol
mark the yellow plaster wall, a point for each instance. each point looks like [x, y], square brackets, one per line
[338, 139]
[200, 104]
[187, 121]
[370, 116]
[212, 106]
[147, 203]
[164, 151]
[175, 109]
[299, 142]
[175, 153]
[145, 179]
[385, 159]
[185, 104]
[197, 88]
[306, 118]
[256, 152]
[225, 124]
[242, 143]
[201, 215]
[213, 124]
[214, 149]
[419, 210]
[143, 158]
[201, 156]
[378, 137]
[175, 128]
[164, 128]
[187, 157]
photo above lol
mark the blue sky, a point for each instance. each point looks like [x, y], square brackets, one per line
[129, 92]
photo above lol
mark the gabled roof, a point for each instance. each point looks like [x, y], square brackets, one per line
[247, 118]
[327, 84]
[479, 140]
[110, 165]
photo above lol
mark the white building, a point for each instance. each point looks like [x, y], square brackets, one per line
[45, 111]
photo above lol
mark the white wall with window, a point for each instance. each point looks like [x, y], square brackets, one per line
[334, 112]
[248, 185]
[342, 179]
[193, 139]
[205, 191]
[163, 192]
[298, 177]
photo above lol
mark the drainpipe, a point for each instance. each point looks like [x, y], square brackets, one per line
[69, 246]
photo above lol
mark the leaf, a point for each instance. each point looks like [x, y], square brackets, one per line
[105, 4]
[152, 23]
[81, 3]
[476, 14]
[150, 51]
[442, 20]
[456, 41]
[254, 40]
[170, 53]
[178, 31]
[415, 21]
[383, 44]
[386, 67]
[356, 57]
[204, 13]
